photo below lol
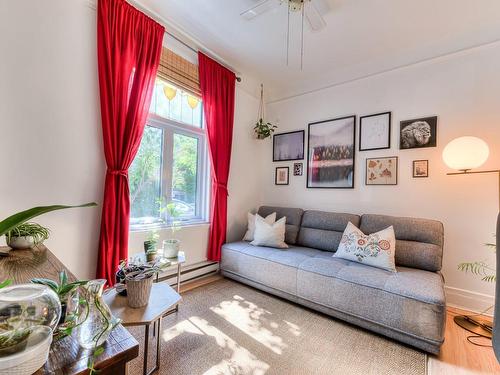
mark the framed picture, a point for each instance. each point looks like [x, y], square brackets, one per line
[375, 132]
[281, 176]
[297, 169]
[420, 168]
[382, 171]
[418, 133]
[288, 146]
[330, 156]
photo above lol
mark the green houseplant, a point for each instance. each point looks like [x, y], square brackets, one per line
[481, 268]
[16, 226]
[263, 129]
[63, 289]
[171, 246]
[152, 241]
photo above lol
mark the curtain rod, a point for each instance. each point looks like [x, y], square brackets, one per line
[158, 18]
[191, 48]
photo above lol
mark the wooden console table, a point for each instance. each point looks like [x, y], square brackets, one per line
[66, 356]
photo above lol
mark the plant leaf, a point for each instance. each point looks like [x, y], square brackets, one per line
[47, 282]
[21, 217]
[5, 283]
[63, 278]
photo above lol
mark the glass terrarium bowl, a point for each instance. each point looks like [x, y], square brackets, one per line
[24, 308]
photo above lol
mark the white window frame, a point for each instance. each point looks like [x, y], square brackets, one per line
[169, 128]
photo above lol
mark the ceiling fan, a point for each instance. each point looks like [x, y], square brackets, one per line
[310, 10]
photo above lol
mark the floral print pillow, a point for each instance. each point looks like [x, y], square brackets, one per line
[377, 249]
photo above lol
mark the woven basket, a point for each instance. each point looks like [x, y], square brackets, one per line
[138, 292]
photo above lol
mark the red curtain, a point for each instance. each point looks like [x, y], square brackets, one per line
[217, 90]
[128, 51]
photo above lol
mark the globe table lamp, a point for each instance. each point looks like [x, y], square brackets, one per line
[465, 154]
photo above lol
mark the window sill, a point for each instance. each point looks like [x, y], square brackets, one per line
[150, 227]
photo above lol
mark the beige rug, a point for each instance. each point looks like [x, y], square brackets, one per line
[229, 328]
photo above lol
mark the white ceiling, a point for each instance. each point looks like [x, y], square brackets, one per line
[362, 37]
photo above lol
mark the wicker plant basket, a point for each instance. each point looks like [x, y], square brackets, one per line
[138, 292]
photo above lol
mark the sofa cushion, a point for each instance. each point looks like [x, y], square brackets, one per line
[293, 219]
[419, 242]
[267, 265]
[323, 230]
[410, 300]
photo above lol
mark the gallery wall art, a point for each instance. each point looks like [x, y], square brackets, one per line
[288, 146]
[382, 171]
[330, 156]
[375, 132]
[281, 176]
[420, 168]
[418, 133]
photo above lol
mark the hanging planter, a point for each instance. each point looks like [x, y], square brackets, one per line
[262, 128]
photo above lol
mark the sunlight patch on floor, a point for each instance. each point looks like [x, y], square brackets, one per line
[239, 361]
[252, 320]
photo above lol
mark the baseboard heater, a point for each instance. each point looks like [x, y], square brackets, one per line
[190, 273]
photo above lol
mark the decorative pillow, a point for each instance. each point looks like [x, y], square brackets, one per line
[377, 249]
[270, 219]
[272, 235]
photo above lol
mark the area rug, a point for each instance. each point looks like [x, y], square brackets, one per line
[228, 328]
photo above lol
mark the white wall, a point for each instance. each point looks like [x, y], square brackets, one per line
[50, 137]
[50, 131]
[463, 90]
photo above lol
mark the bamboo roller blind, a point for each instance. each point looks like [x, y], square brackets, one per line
[179, 71]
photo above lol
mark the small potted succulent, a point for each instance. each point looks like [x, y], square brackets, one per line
[152, 241]
[151, 255]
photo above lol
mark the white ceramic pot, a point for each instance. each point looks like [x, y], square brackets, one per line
[171, 248]
[19, 243]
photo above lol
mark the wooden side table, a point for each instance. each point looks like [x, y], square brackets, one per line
[66, 356]
[162, 300]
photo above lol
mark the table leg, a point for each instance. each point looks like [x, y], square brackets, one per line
[146, 351]
[158, 345]
[178, 283]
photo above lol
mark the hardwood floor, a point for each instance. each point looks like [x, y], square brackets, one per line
[457, 357]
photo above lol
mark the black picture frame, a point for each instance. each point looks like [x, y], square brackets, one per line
[360, 143]
[352, 172]
[298, 169]
[418, 138]
[382, 158]
[415, 175]
[287, 176]
[276, 138]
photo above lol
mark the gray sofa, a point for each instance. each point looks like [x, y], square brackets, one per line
[408, 305]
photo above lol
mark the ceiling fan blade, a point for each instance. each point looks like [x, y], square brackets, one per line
[313, 17]
[258, 9]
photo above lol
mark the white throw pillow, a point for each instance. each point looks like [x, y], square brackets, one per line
[377, 249]
[272, 235]
[270, 219]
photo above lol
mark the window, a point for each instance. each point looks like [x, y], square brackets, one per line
[170, 168]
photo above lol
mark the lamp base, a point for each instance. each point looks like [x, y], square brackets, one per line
[478, 326]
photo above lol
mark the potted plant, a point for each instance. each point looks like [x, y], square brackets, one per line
[63, 289]
[23, 235]
[171, 246]
[138, 280]
[152, 241]
[151, 255]
[26, 236]
[262, 128]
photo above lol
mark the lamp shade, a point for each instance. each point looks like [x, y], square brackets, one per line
[466, 153]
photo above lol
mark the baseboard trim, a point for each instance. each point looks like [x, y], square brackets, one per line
[467, 300]
[190, 273]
